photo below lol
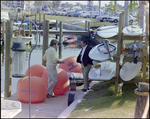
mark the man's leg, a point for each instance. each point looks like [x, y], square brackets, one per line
[52, 74]
[86, 74]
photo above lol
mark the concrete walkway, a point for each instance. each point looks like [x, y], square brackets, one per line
[56, 107]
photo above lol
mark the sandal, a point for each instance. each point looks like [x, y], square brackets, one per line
[49, 96]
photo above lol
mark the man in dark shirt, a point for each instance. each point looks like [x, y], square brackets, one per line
[86, 63]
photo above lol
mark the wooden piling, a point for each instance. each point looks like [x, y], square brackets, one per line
[39, 18]
[56, 28]
[17, 17]
[35, 18]
[142, 95]
[86, 25]
[45, 39]
[24, 20]
[88, 29]
[118, 51]
[43, 17]
[144, 50]
[8, 59]
[30, 28]
[13, 17]
[60, 40]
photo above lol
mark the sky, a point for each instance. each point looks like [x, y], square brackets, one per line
[94, 2]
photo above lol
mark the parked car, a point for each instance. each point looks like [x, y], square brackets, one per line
[94, 14]
[70, 12]
[61, 13]
[76, 14]
[52, 12]
[116, 19]
[11, 8]
[104, 17]
[85, 14]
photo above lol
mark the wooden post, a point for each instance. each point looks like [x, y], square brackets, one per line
[13, 17]
[45, 39]
[121, 22]
[17, 17]
[56, 28]
[144, 50]
[39, 18]
[142, 95]
[24, 20]
[30, 28]
[43, 17]
[8, 59]
[3, 38]
[88, 29]
[60, 40]
[35, 18]
[86, 25]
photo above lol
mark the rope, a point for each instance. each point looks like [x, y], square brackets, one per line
[140, 93]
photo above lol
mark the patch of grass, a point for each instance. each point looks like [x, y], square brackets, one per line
[102, 103]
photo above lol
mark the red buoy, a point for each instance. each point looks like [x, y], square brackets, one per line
[71, 65]
[38, 89]
[36, 70]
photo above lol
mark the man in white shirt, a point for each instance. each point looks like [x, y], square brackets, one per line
[85, 61]
[50, 57]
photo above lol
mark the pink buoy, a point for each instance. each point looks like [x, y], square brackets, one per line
[45, 77]
[37, 87]
[71, 65]
[63, 82]
[36, 70]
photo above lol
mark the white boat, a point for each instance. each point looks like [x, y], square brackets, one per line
[103, 71]
[107, 31]
[100, 53]
[129, 70]
[132, 30]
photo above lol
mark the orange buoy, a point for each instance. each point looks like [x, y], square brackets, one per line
[71, 65]
[38, 89]
[63, 82]
[45, 77]
[36, 70]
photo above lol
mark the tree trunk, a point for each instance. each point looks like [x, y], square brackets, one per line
[92, 10]
[126, 21]
[99, 8]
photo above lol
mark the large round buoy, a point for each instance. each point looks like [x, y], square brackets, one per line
[63, 82]
[38, 89]
[71, 65]
[45, 77]
[36, 70]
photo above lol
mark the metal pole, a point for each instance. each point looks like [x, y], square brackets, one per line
[8, 59]
[45, 39]
[60, 40]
